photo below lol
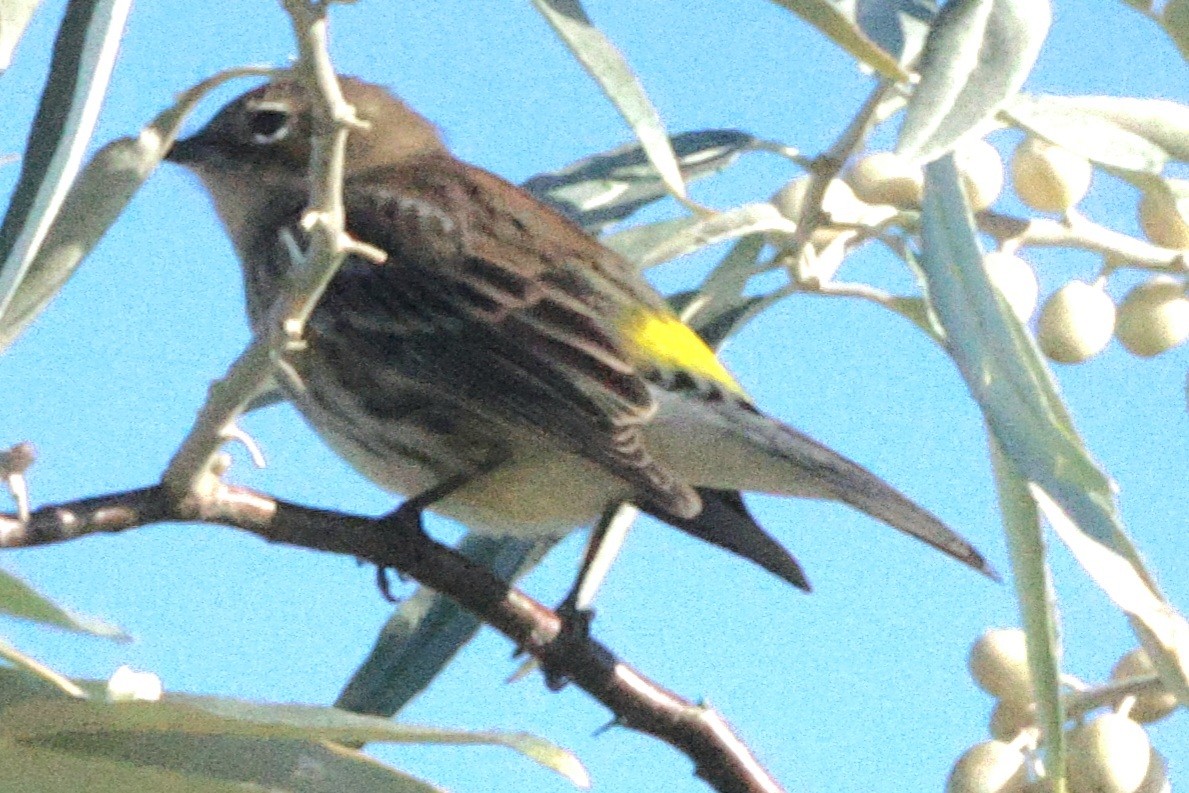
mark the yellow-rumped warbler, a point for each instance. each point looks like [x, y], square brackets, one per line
[500, 341]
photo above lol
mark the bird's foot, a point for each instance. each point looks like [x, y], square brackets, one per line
[402, 521]
[575, 629]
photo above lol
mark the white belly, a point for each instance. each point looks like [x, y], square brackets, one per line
[539, 492]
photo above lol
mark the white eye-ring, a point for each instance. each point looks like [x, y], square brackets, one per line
[269, 123]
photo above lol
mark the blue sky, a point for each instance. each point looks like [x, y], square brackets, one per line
[860, 686]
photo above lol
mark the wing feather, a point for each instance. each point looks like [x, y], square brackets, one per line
[509, 312]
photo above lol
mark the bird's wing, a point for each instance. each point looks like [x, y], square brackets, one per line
[510, 311]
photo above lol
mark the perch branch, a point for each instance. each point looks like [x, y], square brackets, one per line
[638, 703]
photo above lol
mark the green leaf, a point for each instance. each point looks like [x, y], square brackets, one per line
[85, 763]
[428, 629]
[1161, 121]
[725, 323]
[897, 26]
[1163, 632]
[90, 207]
[607, 188]
[604, 62]
[84, 54]
[145, 761]
[50, 720]
[1001, 364]
[843, 31]
[1034, 591]
[1007, 377]
[1094, 134]
[18, 599]
[31, 768]
[94, 201]
[607, 541]
[917, 311]
[976, 57]
[635, 243]
[716, 228]
[722, 291]
[1175, 19]
[14, 18]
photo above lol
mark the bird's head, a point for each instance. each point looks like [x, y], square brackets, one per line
[258, 146]
[270, 126]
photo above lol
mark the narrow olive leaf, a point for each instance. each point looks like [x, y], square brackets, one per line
[610, 70]
[1002, 366]
[1034, 591]
[152, 763]
[41, 720]
[727, 322]
[1094, 135]
[897, 26]
[917, 311]
[428, 629]
[607, 188]
[84, 54]
[843, 30]
[31, 768]
[1161, 121]
[1163, 631]
[18, 599]
[976, 57]
[719, 227]
[1175, 19]
[723, 289]
[36, 669]
[14, 18]
[634, 243]
[93, 203]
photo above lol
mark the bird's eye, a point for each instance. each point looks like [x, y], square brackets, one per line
[269, 126]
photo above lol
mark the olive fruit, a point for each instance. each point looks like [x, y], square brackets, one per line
[1076, 323]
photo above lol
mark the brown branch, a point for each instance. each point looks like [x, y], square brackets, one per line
[719, 756]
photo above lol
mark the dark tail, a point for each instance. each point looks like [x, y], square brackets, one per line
[724, 521]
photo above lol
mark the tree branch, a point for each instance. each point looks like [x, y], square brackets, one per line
[638, 703]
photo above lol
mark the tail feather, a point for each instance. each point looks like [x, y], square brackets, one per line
[724, 521]
[842, 479]
[727, 446]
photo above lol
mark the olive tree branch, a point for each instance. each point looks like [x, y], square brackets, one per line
[565, 653]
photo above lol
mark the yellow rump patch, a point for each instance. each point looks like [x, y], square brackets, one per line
[665, 341]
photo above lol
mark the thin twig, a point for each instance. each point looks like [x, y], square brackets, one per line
[328, 247]
[1078, 231]
[825, 169]
[189, 469]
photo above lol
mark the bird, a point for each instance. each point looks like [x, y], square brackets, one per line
[501, 359]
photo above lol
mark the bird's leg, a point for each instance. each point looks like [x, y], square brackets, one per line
[407, 517]
[606, 540]
[575, 611]
[576, 604]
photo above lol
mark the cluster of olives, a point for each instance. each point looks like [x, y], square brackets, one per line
[1107, 753]
[1079, 319]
